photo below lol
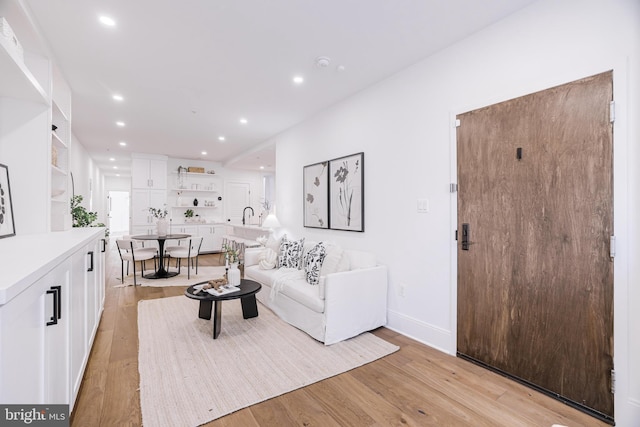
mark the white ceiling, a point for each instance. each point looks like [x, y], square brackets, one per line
[190, 69]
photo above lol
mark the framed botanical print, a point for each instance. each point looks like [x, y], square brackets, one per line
[346, 193]
[316, 195]
[7, 226]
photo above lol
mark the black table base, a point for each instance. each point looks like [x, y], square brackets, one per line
[209, 303]
[161, 274]
[249, 310]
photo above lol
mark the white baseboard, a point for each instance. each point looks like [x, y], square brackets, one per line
[430, 335]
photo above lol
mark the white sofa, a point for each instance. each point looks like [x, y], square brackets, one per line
[350, 298]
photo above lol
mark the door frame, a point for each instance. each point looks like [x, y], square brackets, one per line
[621, 205]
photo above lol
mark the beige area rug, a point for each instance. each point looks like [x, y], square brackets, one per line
[187, 378]
[204, 274]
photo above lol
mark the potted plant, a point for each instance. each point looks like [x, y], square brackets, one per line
[161, 216]
[81, 217]
[188, 213]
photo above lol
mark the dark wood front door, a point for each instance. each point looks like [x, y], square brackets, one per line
[535, 278]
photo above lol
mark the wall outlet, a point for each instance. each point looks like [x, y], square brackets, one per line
[402, 289]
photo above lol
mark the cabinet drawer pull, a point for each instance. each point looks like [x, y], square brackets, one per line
[59, 291]
[56, 291]
[104, 245]
[90, 253]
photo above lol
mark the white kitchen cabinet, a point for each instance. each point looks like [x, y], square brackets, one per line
[33, 327]
[50, 307]
[191, 230]
[148, 173]
[87, 264]
[149, 188]
[141, 201]
[211, 237]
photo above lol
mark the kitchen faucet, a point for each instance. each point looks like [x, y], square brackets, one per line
[245, 211]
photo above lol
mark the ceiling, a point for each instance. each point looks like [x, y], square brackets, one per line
[189, 71]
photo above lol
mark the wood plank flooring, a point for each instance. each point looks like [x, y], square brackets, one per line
[416, 386]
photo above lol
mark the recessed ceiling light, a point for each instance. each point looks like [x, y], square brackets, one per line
[121, 124]
[261, 167]
[298, 80]
[118, 97]
[221, 138]
[244, 121]
[115, 167]
[111, 159]
[123, 144]
[204, 153]
[109, 22]
[117, 174]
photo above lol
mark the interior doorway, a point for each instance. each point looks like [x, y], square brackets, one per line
[118, 217]
[535, 220]
[237, 197]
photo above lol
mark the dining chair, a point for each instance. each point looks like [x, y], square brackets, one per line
[189, 251]
[131, 252]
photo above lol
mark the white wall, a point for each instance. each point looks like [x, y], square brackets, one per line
[87, 178]
[405, 127]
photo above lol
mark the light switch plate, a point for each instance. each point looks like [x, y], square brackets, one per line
[423, 205]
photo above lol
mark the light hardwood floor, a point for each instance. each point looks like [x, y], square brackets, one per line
[416, 386]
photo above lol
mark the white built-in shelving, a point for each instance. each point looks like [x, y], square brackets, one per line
[17, 80]
[188, 186]
[59, 167]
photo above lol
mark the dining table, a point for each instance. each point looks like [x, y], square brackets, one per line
[161, 272]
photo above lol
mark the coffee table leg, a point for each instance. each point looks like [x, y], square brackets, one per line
[249, 307]
[217, 319]
[205, 309]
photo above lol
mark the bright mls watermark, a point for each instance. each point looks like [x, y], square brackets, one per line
[34, 415]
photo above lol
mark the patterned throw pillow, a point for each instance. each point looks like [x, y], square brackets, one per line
[291, 253]
[313, 263]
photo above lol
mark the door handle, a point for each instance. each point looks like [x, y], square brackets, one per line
[104, 245]
[90, 253]
[56, 291]
[465, 237]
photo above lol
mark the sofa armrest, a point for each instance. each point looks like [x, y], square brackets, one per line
[355, 302]
[251, 256]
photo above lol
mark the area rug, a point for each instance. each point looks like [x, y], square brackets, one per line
[187, 378]
[204, 273]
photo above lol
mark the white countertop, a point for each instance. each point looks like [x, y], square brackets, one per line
[26, 258]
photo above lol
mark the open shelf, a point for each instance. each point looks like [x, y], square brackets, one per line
[57, 141]
[194, 207]
[58, 171]
[17, 81]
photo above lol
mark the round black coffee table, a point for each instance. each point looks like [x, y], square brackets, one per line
[247, 295]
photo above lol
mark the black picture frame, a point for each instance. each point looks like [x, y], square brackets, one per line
[7, 224]
[316, 195]
[346, 193]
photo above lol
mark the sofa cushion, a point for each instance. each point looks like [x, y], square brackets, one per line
[313, 263]
[334, 261]
[302, 292]
[265, 277]
[273, 243]
[291, 253]
[268, 259]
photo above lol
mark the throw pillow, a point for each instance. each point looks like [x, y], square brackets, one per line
[268, 259]
[313, 263]
[274, 243]
[291, 253]
[332, 260]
